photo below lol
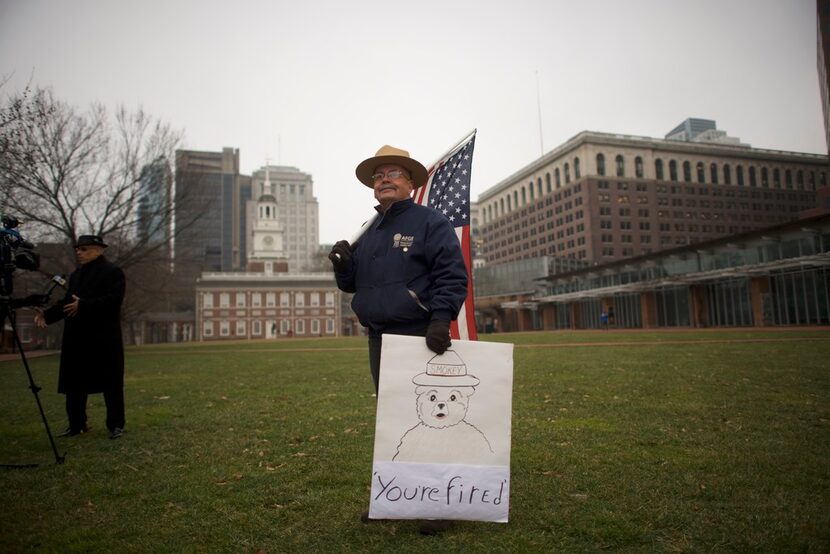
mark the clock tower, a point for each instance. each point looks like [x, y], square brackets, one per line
[268, 252]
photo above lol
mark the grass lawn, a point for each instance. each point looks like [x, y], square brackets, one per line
[675, 441]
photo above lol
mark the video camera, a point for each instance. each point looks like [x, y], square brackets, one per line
[15, 252]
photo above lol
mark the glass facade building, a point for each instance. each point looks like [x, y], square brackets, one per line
[771, 277]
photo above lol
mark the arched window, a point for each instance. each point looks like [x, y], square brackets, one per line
[530, 186]
[638, 167]
[577, 171]
[547, 182]
[489, 213]
[713, 173]
[539, 187]
[701, 177]
[739, 173]
[501, 203]
[567, 173]
[509, 205]
[788, 178]
[558, 180]
[687, 171]
[823, 179]
[799, 179]
[620, 165]
[812, 181]
[600, 164]
[658, 169]
[764, 178]
[776, 178]
[516, 199]
[752, 181]
[727, 174]
[673, 170]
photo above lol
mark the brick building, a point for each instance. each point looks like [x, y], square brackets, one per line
[602, 197]
[245, 306]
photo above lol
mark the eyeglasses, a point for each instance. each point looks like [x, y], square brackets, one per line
[394, 174]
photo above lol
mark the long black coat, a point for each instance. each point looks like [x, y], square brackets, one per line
[92, 350]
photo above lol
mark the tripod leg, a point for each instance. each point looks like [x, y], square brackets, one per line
[33, 387]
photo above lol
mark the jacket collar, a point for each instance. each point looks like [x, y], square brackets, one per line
[94, 263]
[396, 207]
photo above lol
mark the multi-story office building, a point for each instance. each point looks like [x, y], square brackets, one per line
[154, 212]
[601, 197]
[210, 222]
[297, 214]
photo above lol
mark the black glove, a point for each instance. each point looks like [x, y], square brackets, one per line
[341, 256]
[438, 336]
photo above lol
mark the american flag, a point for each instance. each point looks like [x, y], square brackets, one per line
[448, 191]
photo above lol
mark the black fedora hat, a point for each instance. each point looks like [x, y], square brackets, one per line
[90, 240]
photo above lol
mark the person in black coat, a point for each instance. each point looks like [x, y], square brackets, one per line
[92, 350]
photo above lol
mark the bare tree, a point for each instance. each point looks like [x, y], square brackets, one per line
[70, 172]
[66, 172]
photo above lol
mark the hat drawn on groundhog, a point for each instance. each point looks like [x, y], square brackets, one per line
[446, 370]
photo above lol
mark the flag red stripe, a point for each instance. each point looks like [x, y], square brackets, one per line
[463, 328]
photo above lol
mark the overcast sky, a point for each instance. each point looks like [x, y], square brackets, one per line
[321, 85]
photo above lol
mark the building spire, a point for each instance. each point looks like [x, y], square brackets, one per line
[266, 186]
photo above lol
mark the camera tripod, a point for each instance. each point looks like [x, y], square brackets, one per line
[6, 311]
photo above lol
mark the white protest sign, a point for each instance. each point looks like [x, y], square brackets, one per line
[442, 436]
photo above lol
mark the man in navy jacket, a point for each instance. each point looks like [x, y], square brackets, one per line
[407, 271]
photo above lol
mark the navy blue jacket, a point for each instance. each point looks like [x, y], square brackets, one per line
[407, 270]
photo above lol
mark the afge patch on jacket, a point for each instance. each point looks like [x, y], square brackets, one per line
[402, 241]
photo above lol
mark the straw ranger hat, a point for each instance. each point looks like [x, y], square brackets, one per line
[391, 155]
